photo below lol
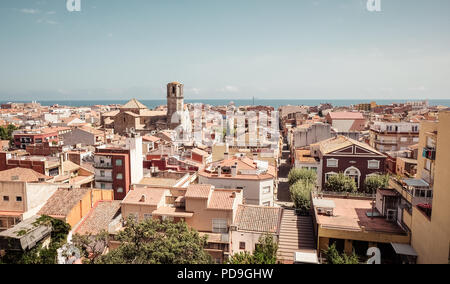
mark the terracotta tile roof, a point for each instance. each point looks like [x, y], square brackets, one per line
[200, 152]
[258, 218]
[22, 174]
[304, 156]
[222, 199]
[133, 103]
[99, 217]
[154, 181]
[339, 142]
[62, 201]
[198, 191]
[150, 138]
[153, 196]
[346, 115]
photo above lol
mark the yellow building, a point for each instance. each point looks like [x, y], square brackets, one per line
[430, 227]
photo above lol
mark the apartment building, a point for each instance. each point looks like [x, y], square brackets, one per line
[209, 210]
[393, 136]
[118, 167]
[430, 222]
[346, 121]
[22, 193]
[255, 178]
[22, 138]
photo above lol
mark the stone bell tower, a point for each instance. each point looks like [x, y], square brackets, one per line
[175, 103]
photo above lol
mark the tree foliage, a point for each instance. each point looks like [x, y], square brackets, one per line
[156, 242]
[334, 257]
[341, 183]
[6, 132]
[301, 195]
[375, 182]
[307, 175]
[265, 253]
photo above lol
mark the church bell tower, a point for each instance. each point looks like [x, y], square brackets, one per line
[175, 103]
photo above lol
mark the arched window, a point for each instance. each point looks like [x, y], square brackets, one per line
[355, 174]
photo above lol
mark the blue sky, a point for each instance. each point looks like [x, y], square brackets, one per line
[303, 49]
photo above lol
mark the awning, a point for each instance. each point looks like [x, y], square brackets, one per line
[306, 257]
[416, 182]
[404, 249]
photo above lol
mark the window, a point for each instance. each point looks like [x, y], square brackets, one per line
[219, 226]
[102, 173]
[120, 190]
[332, 163]
[328, 175]
[19, 198]
[267, 189]
[119, 162]
[119, 176]
[148, 216]
[242, 245]
[374, 165]
[5, 198]
[102, 186]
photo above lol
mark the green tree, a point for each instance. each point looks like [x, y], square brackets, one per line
[375, 182]
[341, 183]
[301, 195]
[302, 174]
[333, 257]
[156, 242]
[241, 258]
[264, 253]
[266, 250]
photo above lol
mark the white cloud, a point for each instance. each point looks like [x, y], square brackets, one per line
[230, 89]
[30, 11]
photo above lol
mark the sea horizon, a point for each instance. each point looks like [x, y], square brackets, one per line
[152, 103]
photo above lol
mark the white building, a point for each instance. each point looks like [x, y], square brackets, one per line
[255, 178]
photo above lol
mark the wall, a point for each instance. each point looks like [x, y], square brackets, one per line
[13, 189]
[431, 237]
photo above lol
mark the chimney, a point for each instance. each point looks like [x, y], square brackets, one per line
[226, 156]
[142, 198]
[233, 194]
[219, 171]
[234, 170]
[255, 156]
[61, 160]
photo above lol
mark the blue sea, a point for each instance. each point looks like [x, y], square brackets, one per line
[240, 102]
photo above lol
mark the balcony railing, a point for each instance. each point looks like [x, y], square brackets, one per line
[104, 178]
[103, 165]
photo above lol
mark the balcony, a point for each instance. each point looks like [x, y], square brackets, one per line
[103, 165]
[386, 142]
[415, 191]
[104, 178]
[429, 153]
